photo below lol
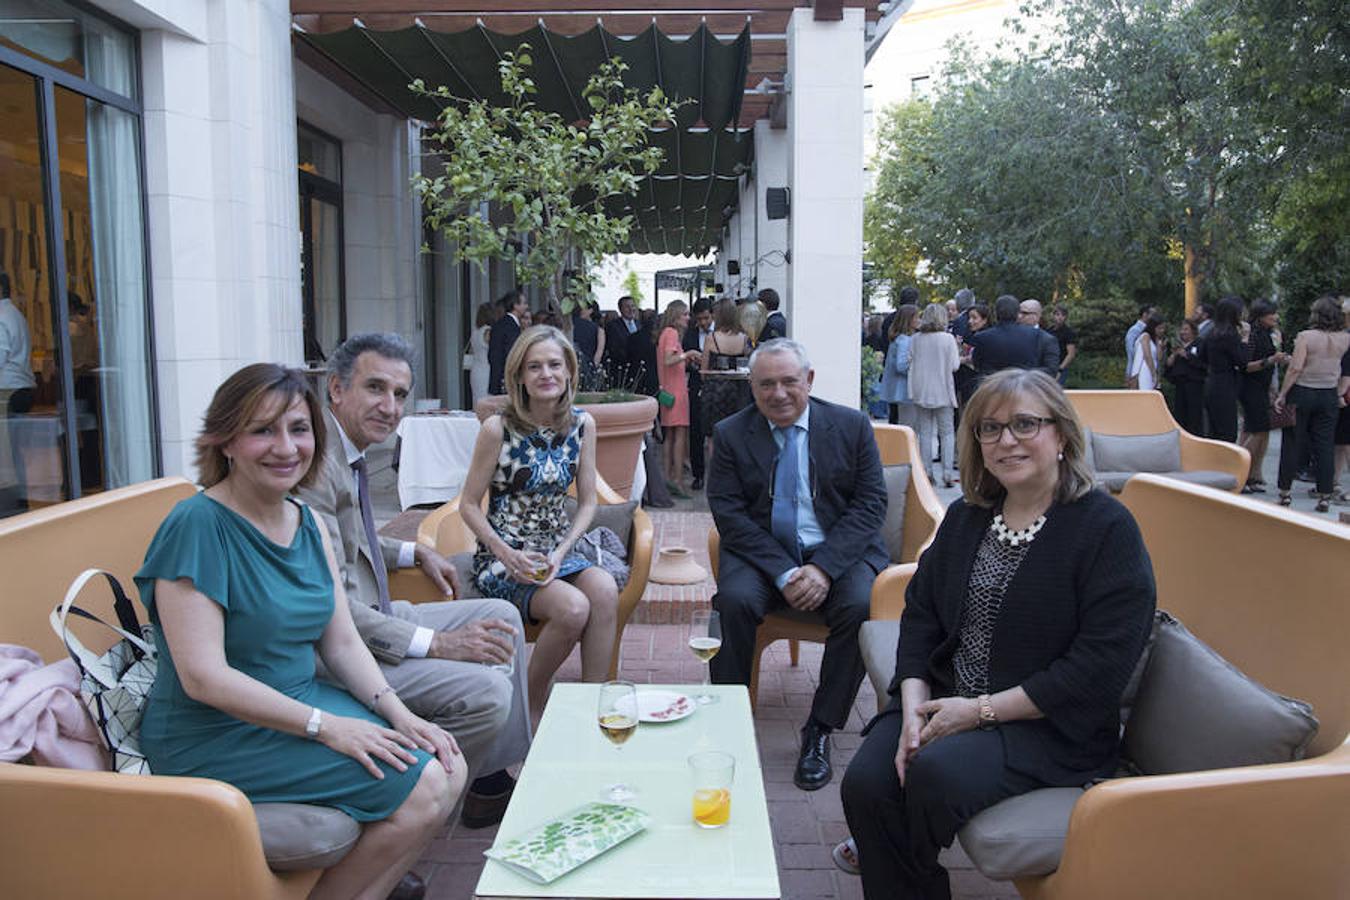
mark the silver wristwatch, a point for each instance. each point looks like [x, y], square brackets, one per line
[314, 724]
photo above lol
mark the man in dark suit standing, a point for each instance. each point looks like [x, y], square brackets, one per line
[617, 332]
[504, 333]
[795, 488]
[1008, 345]
[775, 326]
[693, 340]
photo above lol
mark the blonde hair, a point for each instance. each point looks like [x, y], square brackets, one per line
[934, 317]
[1075, 475]
[518, 399]
[674, 309]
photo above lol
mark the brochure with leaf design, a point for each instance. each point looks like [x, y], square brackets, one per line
[557, 847]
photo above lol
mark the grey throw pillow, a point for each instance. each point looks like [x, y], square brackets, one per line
[893, 529]
[1136, 452]
[617, 517]
[297, 836]
[1196, 711]
[463, 563]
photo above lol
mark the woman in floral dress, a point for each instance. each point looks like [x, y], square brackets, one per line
[525, 459]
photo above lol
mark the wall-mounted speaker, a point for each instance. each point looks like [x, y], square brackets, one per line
[733, 267]
[776, 203]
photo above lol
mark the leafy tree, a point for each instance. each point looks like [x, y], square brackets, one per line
[632, 288]
[543, 178]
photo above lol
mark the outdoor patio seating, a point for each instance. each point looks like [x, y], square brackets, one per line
[1129, 432]
[444, 531]
[913, 513]
[1248, 831]
[67, 833]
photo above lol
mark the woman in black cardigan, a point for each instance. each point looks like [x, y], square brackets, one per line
[1022, 626]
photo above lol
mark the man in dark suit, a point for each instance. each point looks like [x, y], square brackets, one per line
[1029, 313]
[795, 488]
[694, 336]
[775, 326]
[1008, 345]
[503, 337]
[621, 370]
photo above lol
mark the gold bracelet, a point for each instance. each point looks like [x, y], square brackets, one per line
[378, 694]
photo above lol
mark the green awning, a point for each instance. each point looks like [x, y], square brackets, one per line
[682, 208]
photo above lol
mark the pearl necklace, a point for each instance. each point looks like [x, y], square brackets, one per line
[1012, 538]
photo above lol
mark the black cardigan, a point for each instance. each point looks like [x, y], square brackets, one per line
[1072, 625]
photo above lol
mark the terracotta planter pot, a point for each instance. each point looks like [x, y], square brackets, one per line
[619, 431]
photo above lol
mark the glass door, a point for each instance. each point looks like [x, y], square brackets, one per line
[321, 244]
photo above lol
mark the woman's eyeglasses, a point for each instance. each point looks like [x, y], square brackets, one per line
[1024, 428]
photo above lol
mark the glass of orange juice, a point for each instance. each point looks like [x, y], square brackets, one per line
[711, 774]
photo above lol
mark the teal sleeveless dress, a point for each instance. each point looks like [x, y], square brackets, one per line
[277, 602]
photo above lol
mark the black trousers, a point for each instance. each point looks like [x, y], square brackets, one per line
[744, 595]
[1189, 406]
[696, 461]
[899, 831]
[1314, 432]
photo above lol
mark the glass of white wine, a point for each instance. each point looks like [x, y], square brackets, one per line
[705, 639]
[617, 715]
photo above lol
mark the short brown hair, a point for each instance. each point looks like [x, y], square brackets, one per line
[1075, 475]
[517, 399]
[234, 406]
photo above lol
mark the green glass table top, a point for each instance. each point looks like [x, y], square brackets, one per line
[570, 763]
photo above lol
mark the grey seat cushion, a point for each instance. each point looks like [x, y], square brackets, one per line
[1196, 711]
[1114, 481]
[1137, 452]
[893, 529]
[617, 517]
[300, 836]
[1021, 836]
[877, 641]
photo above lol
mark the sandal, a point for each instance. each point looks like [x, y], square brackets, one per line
[1323, 504]
[1249, 488]
[845, 856]
[1285, 499]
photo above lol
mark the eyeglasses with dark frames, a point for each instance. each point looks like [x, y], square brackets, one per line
[1023, 427]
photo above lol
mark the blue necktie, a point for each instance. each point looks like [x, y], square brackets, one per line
[783, 521]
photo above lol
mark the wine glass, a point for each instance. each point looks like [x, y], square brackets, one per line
[705, 639]
[617, 715]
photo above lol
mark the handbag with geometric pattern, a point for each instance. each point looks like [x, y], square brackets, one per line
[116, 685]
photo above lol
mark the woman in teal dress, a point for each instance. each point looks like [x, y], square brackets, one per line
[240, 584]
[525, 459]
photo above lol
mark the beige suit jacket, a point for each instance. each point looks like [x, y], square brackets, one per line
[333, 498]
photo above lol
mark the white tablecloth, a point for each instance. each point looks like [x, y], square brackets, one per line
[435, 456]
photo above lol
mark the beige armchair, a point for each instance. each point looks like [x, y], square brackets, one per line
[444, 531]
[66, 833]
[1115, 415]
[897, 445]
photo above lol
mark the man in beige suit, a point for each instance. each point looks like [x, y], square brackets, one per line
[439, 657]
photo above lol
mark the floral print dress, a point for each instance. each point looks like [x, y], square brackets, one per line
[525, 506]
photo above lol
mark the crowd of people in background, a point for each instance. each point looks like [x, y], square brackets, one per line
[1223, 366]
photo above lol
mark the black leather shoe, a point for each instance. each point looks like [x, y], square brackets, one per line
[409, 887]
[813, 765]
[483, 810]
[698, 484]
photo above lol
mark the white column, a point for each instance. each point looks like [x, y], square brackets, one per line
[771, 170]
[825, 129]
[221, 191]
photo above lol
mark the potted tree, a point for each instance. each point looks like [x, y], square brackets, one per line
[548, 183]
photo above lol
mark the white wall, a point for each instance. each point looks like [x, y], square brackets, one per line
[825, 113]
[221, 191]
[771, 170]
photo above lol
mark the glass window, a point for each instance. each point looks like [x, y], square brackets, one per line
[105, 300]
[319, 155]
[68, 38]
[32, 429]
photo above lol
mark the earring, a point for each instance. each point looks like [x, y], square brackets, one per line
[1060, 457]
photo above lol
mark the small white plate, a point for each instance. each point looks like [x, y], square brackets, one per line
[664, 706]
